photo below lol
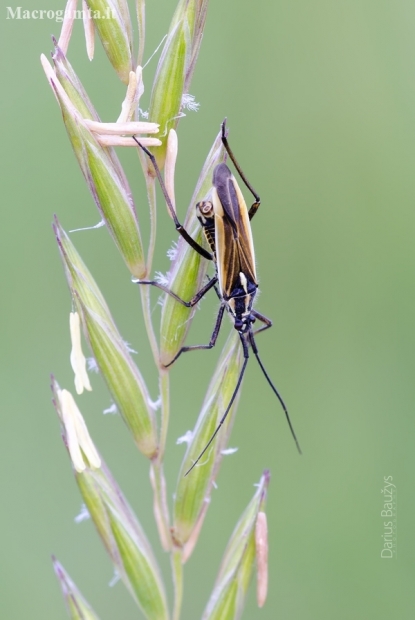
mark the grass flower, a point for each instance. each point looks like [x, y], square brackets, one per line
[175, 68]
[76, 605]
[93, 142]
[113, 23]
[120, 531]
[124, 380]
[80, 446]
[192, 496]
[227, 600]
[261, 546]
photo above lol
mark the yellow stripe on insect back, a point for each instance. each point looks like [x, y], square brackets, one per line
[246, 224]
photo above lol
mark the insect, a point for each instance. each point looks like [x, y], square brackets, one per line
[225, 220]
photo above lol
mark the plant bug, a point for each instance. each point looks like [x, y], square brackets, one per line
[225, 220]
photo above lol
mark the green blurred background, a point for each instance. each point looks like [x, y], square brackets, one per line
[320, 97]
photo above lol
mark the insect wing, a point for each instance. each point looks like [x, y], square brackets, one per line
[233, 236]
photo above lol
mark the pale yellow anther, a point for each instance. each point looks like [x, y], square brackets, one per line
[78, 440]
[67, 25]
[261, 544]
[170, 165]
[116, 134]
[125, 128]
[78, 361]
[89, 29]
[106, 134]
[129, 104]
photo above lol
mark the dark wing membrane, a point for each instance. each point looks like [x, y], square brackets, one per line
[222, 181]
[232, 233]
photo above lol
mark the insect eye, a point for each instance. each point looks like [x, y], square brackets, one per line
[206, 208]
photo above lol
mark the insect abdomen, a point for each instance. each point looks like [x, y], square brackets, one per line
[205, 215]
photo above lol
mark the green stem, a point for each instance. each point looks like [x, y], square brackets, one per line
[159, 484]
[177, 569]
[161, 511]
[165, 410]
[145, 302]
[145, 290]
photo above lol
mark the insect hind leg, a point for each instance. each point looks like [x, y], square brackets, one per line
[264, 319]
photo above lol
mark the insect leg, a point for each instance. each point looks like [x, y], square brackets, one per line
[274, 389]
[255, 206]
[188, 304]
[223, 418]
[212, 340]
[180, 229]
[217, 292]
[263, 319]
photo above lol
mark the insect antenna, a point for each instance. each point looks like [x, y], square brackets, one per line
[236, 163]
[274, 389]
[223, 418]
[180, 229]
